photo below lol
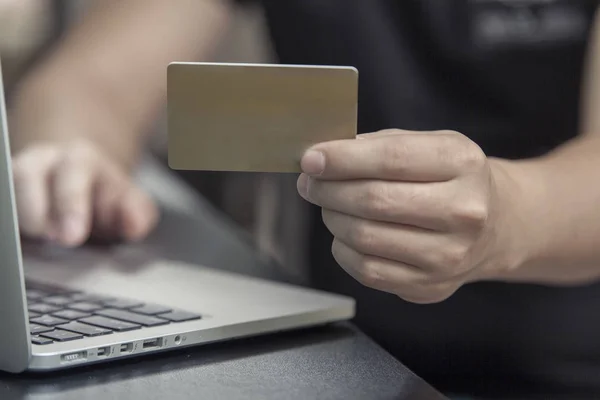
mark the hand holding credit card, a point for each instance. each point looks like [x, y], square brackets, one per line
[256, 117]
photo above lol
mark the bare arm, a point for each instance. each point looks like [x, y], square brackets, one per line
[112, 67]
[559, 198]
[77, 121]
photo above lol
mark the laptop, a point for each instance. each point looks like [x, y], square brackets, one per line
[58, 313]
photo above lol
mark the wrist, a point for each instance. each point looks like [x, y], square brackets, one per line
[537, 242]
[517, 239]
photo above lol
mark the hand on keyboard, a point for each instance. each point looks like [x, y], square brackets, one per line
[73, 153]
[66, 192]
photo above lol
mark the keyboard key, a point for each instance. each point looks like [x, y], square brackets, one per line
[33, 314]
[144, 320]
[151, 309]
[180, 316]
[108, 323]
[70, 314]
[85, 307]
[48, 320]
[62, 336]
[43, 308]
[84, 329]
[91, 298]
[40, 340]
[35, 329]
[57, 300]
[123, 303]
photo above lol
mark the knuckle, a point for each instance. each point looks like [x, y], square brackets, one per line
[462, 151]
[472, 214]
[78, 151]
[395, 158]
[472, 158]
[369, 273]
[22, 170]
[422, 300]
[376, 199]
[443, 291]
[313, 191]
[64, 202]
[71, 197]
[335, 250]
[81, 144]
[114, 181]
[454, 257]
[26, 164]
[445, 153]
[326, 216]
[71, 159]
[386, 132]
[361, 236]
[429, 295]
[450, 133]
[435, 298]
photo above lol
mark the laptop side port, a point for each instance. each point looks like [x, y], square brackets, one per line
[103, 351]
[152, 343]
[126, 348]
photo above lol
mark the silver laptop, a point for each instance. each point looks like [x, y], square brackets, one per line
[96, 308]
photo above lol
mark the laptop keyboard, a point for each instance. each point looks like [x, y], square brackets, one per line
[60, 315]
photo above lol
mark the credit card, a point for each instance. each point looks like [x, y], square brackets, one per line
[256, 117]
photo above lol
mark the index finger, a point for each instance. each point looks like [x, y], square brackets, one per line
[398, 155]
[72, 186]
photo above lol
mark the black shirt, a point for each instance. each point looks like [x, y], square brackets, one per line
[507, 74]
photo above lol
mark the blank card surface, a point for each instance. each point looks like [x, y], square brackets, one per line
[254, 117]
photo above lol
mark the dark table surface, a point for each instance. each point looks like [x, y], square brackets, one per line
[334, 362]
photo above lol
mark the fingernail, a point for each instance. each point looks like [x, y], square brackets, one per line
[303, 185]
[313, 162]
[72, 230]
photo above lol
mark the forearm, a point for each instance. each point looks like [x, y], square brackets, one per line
[113, 63]
[557, 226]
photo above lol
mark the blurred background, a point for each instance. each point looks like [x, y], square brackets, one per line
[30, 28]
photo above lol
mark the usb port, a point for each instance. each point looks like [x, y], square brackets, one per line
[103, 351]
[152, 343]
[126, 348]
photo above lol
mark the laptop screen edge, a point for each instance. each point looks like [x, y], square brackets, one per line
[15, 340]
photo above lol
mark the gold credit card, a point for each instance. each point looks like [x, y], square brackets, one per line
[256, 117]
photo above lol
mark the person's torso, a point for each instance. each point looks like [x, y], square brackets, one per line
[507, 74]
